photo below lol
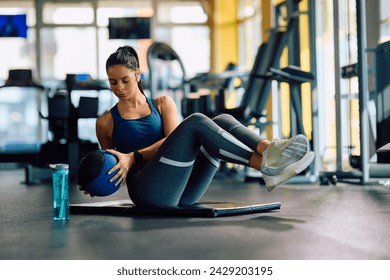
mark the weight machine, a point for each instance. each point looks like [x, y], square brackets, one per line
[367, 170]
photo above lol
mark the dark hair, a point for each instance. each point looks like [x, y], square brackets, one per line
[126, 56]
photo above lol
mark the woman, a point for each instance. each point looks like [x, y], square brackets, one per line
[167, 163]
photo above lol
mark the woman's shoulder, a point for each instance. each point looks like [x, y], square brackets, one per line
[107, 115]
[104, 119]
[163, 101]
[165, 105]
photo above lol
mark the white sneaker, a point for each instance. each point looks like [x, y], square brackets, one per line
[284, 159]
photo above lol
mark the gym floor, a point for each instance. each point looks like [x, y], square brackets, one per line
[315, 222]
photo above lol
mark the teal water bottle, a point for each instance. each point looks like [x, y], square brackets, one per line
[60, 174]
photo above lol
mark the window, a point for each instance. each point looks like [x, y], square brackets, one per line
[67, 37]
[183, 25]
[192, 44]
[248, 32]
[67, 50]
[68, 13]
[384, 21]
[190, 12]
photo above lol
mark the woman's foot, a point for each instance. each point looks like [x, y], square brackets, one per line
[284, 159]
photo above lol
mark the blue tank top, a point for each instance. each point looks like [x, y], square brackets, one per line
[135, 134]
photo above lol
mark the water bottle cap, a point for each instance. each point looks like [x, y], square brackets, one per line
[59, 166]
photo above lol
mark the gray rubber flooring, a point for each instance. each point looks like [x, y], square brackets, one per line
[315, 222]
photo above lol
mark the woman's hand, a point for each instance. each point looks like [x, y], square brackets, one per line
[125, 161]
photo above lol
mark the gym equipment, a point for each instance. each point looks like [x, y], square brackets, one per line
[201, 209]
[382, 55]
[22, 151]
[367, 170]
[259, 81]
[294, 76]
[64, 145]
[208, 91]
[63, 117]
[166, 72]
[93, 173]
[265, 70]
[21, 78]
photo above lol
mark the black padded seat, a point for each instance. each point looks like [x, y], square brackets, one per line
[383, 154]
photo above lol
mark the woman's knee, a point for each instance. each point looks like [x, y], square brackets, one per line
[225, 120]
[224, 116]
[196, 117]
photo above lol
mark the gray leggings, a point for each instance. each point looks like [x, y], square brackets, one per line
[184, 165]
